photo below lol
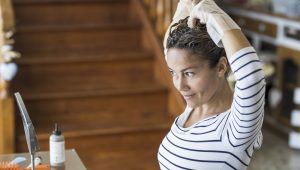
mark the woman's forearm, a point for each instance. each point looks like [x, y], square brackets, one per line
[233, 41]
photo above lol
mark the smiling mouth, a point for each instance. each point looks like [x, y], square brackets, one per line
[188, 97]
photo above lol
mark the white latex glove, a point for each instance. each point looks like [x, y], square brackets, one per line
[216, 20]
[184, 7]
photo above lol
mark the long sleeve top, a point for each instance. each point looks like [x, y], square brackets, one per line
[226, 140]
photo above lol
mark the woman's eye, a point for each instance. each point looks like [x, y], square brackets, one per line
[189, 74]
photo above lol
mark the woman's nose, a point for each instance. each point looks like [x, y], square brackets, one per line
[180, 83]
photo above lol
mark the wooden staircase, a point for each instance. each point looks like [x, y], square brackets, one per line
[84, 66]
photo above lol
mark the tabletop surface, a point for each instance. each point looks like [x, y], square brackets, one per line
[73, 161]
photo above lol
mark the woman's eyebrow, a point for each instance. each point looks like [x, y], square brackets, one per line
[183, 70]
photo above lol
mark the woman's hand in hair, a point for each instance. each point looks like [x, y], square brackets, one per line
[195, 2]
[216, 20]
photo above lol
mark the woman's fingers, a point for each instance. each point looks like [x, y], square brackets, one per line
[195, 2]
[197, 14]
[217, 21]
[192, 22]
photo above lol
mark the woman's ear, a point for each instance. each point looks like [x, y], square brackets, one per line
[222, 66]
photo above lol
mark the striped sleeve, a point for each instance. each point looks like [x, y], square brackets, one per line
[249, 96]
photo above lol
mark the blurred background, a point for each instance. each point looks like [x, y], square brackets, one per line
[97, 68]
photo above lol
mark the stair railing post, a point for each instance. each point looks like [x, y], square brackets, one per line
[168, 14]
[159, 23]
[7, 72]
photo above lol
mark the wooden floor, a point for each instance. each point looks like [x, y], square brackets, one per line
[275, 154]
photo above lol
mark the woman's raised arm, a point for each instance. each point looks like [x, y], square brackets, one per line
[221, 28]
[247, 110]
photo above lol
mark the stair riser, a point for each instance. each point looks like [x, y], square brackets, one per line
[123, 38]
[101, 110]
[134, 151]
[82, 75]
[70, 13]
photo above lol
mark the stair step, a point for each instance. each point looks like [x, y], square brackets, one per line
[77, 129]
[79, 74]
[63, 1]
[112, 37]
[81, 55]
[135, 88]
[40, 12]
[77, 27]
[133, 106]
[131, 151]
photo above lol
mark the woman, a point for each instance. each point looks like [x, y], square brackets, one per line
[218, 129]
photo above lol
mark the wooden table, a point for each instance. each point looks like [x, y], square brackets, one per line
[73, 161]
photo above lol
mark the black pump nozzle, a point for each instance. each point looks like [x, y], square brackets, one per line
[57, 131]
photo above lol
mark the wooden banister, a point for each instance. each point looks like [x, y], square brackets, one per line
[153, 33]
[159, 23]
[167, 14]
[7, 134]
[160, 12]
[7, 29]
[8, 16]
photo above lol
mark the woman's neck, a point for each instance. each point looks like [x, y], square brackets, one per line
[219, 103]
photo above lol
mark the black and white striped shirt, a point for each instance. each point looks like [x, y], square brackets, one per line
[227, 140]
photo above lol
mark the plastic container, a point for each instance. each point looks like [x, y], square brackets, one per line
[57, 148]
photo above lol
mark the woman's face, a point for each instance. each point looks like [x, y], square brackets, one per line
[193, 78]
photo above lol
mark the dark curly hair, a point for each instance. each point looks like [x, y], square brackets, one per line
[196, 40]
